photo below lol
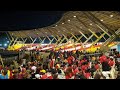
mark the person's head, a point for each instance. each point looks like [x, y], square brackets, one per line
[80, 73]
[55, 76]
[4, 71]
[42, 72]
[67, 73]
[97, 76]
[87, 71]
[111, 59]
[59, 71]
[69, 65]
[53, 71]
[24, 66]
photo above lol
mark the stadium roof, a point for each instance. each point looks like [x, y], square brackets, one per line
[76, 22]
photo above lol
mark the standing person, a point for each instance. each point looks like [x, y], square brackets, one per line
[41, 57]
[77, 53]
[65, 55]
[52, 62]
[4, 74]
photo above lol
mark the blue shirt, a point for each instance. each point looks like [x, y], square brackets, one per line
[3, 77]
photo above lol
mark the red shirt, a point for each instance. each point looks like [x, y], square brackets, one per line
[97, 66]
[11, 75]
[50, 77]
[67, 77]
[82, 61]
[111, 63]
[103, 58]
[51, 64]
[44, 77]
[87, 75]
[84, 67]
[0, 67]
[75, 71]
[69, 61]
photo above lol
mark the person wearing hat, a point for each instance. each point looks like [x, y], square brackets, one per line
[43, 74]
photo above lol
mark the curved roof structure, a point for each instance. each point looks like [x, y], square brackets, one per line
[77, 22]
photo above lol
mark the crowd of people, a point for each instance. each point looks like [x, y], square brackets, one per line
[64, 65]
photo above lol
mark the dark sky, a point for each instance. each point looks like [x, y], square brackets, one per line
[17, 20]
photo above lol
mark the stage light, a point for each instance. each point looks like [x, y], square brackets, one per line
[111, 15]
[68, 20]
[7, 41]
[101, 20]
[62, 23]
[90, 23]
[5, 44]
[74, 16]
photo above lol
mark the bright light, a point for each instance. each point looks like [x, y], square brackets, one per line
[74, 16]
[90, 23]
[56, 25]
[62, 23]
[5, 44]
[68, 20]
[101, 20]
[7, 41]
[0, 44]
[111, 15]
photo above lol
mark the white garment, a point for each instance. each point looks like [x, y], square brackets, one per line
[106, 74]
[60, 76]
[37, 76]
[34, 68]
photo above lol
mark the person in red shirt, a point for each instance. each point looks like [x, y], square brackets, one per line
[50, 77]
[67, 75]
[52, 63]
[87, 74]
[44, 76]
[84, 66]
[75, 71]
[43, 73]
[103, 58]
[1, 67]
[111, 62]
[97, 66]
[69, 60]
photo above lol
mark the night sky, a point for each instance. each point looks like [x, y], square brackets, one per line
[18, 20]
[25, 20]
